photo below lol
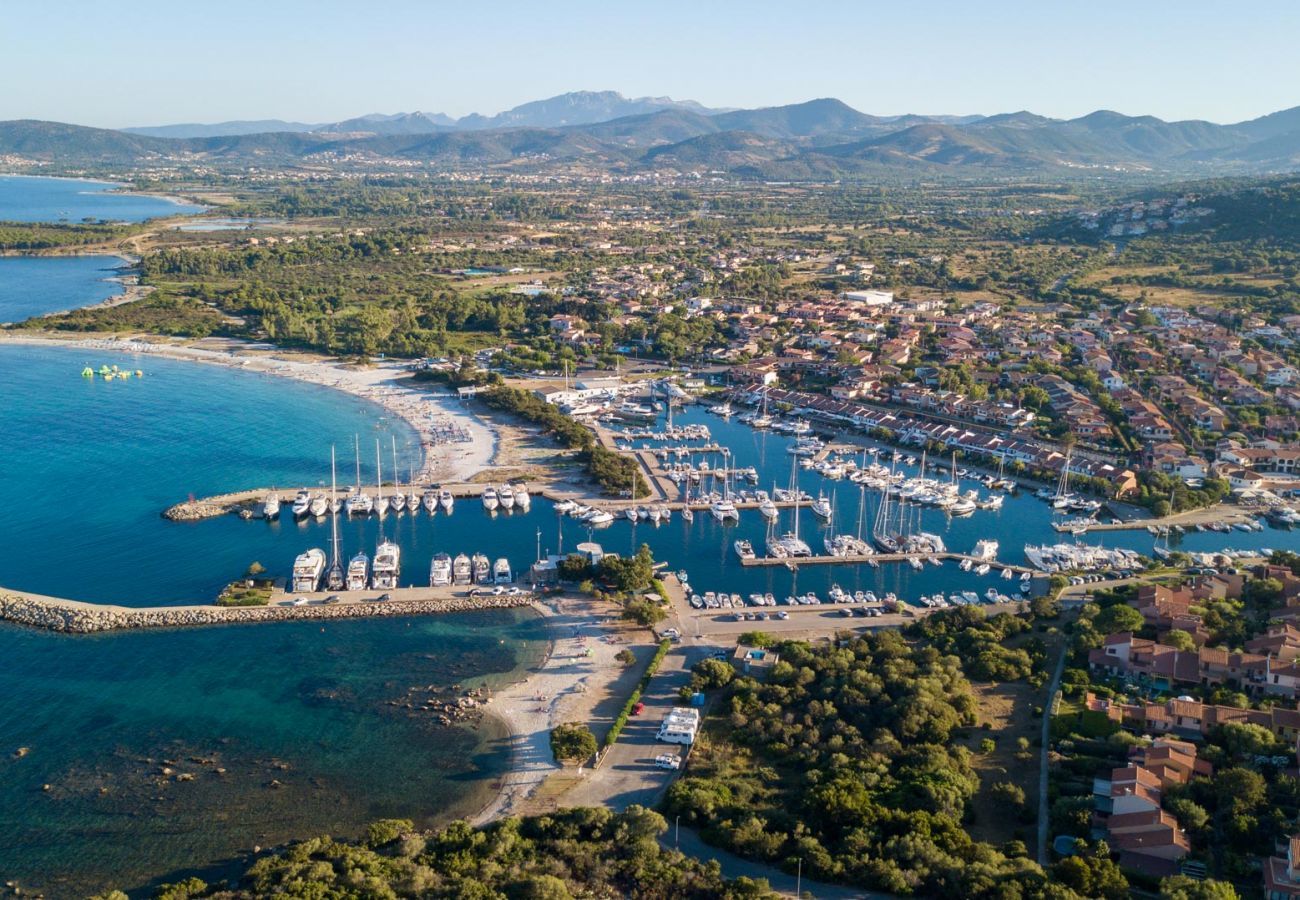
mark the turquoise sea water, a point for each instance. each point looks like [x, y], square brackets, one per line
[305, 705]
[37, 285]
[26, 198]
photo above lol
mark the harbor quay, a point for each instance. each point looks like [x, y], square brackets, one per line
[75, 617]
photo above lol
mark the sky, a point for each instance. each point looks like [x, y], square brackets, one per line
[150, 63]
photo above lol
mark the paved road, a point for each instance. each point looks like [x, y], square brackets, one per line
[734, 866]
[1042, 762]
[628, 773]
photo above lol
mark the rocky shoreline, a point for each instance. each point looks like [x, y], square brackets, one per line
[84, 618]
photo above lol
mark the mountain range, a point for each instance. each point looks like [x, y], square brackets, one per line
[822, 138]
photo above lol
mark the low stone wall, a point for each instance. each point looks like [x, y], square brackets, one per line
[85, 619]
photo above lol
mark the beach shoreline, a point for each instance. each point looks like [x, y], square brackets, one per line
[386, 384]
[580, 656]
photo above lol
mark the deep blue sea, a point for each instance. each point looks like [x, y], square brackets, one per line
[38, 285]
[25, 198]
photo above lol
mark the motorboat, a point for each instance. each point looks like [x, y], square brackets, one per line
[461, 570]
[358, 572]
[271, 507]
[308, 568]
[319, 506]
[768, 509]
[506, 496]
[522, 500]
[301, 504]
[386, 569]
[490, 499]
[446, 500]
[501, 573]
[822, 507]
[480, 569]
[440, 570]
[744, 549]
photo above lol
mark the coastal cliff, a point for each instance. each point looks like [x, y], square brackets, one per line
[87, 618]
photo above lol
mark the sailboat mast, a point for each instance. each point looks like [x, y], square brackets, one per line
[356, 442]
[379, 472]
[334, 509]
[396, 483]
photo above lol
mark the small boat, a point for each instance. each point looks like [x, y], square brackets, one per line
[319, 506]
[598, 517]
[822, 507]
[768, 509]
[446, 500]
[490, 499]
[522, 500]
[301, 504]
[744, 549]
[506, 496]
[271, 507]
[687, 514]
[630, 513]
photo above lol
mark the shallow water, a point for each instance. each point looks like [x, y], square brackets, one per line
[25, 198]
[38, 285]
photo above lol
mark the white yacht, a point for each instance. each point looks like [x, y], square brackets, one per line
[985, 550]
[359, 504]
[724, 511]
[430, 502]
[822, 507]
[490, 500]
[387, 566]
[598, 517]
[631, 513]
[506, 496]
[461, 570]
[307, 570]
[319, 506]
[446, 500]
[301, 504]
[501, 573]
[768, 509]
[480, 569]
[522, 500]
[271, 506]
[440, 570]
[722, 409]
[358, 572]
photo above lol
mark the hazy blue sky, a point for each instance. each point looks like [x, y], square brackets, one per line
[147, 63]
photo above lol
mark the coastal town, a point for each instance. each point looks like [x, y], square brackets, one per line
[626, 496]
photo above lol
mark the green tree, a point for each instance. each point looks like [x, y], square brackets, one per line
[1181, 887]
[1180, 639]
[1118, 618]
[573, 741]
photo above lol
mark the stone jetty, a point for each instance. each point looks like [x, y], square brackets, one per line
[86, 618]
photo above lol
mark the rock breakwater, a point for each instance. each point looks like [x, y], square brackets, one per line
[87, 618]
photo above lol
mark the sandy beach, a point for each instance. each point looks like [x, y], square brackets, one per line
[565, 689]
[434, 415]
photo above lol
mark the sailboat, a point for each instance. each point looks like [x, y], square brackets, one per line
[790, 544]
[724, 510]
[381, 502]
[335, 580]
[398, 500]
[1063, 498]
[359, 502]
[762, 420]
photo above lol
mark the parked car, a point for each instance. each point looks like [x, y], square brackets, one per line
[668, 761]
